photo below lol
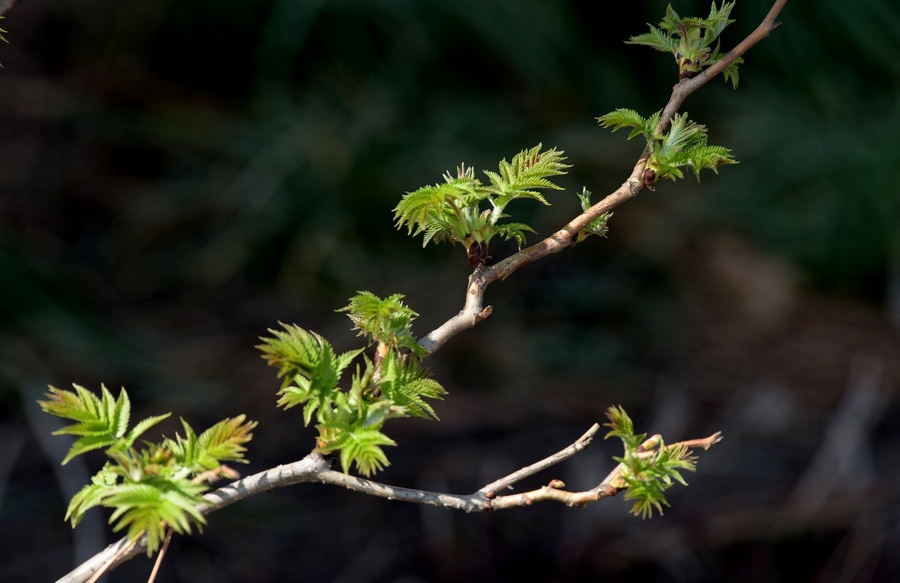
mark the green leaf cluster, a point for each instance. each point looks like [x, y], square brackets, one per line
[650, 467]
[467, 211]
[690, 40]
[683, 144]
[350, 420]
[308, 365]
[153, 487]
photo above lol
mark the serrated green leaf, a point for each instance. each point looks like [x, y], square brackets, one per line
[682, 144]
[308, 410]
[406, 385]
[521, 177]
[621, 426]
[86, 444]
[151, 489]
[91, 495]
[148, 508]
[309, 365]
[95, 414]
[225, 440]
[629, 118]
[730, 73]
[120, 412]
[685, 144]
[142, 426]
[384, 320]
[656, 39]
[514, 231]
[80, 405]
[361, 447]
[416, 208]
[530, 169]
[101, 420]
[647, 474]
[186, 450]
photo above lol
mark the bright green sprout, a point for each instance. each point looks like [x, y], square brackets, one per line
[596, 227]
[650, 467]
[386, 321]
[682, 145]
[690, 41]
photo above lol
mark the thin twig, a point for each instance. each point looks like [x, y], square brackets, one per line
[705, 443]
[160, 555]
[497, 486]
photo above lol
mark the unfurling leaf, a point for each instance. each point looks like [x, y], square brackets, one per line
[309, 365]
[149, 508]
[406, 385]
[387, 321]
[690, 40]
[360, 446]
[597, 226]
[649, 467]
[683, 144]
[224, 441]
[101, 421]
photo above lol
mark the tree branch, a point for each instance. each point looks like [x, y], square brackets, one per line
[317, 468]
[474, 312]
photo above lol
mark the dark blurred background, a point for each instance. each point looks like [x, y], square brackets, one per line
[178, 176]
